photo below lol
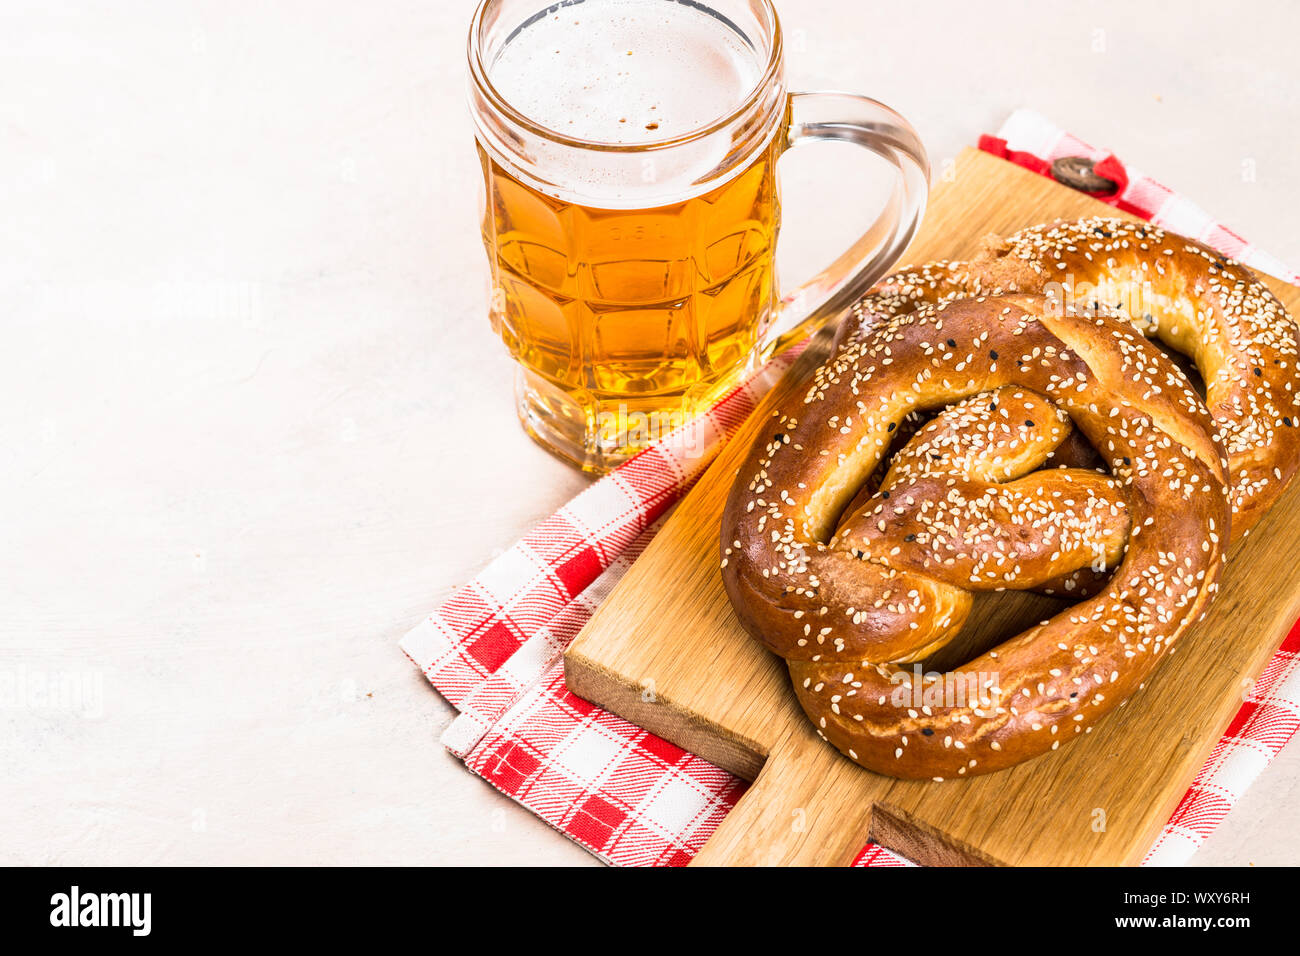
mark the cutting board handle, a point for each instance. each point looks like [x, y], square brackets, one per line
[808, 807]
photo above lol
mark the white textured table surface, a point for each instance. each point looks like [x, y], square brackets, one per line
[255, 425]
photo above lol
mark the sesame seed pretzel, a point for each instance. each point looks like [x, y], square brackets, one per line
[1236, 333]
[957, 481]
[852, 588]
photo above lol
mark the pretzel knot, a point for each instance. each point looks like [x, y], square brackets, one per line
[853, 577]
[1212, 311]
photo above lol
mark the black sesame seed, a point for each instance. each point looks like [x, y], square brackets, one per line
[891, 427]
[1286, 420]
[952, 343]
[1029, 423]
[884, 494]
[927, 731]
[1259, 372]
[1127, 460]
[993, 355]
[909, 537]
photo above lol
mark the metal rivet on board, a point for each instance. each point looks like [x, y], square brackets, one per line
[1076, 172]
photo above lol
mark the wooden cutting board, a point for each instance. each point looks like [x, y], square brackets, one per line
[665, 651]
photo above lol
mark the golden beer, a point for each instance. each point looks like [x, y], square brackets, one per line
[640, 315]
[630, 215]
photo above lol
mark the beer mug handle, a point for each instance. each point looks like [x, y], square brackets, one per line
[845, 117]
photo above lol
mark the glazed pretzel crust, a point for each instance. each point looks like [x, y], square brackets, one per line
[1181, 292]
[850, 599]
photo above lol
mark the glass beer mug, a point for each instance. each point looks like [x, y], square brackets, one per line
[629, 152]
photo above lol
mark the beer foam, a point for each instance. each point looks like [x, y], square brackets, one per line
[626, 71]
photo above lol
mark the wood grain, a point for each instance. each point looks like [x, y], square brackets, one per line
[666, 651]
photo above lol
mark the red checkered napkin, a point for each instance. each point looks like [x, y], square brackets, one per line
[494, 648]
[1030, 140]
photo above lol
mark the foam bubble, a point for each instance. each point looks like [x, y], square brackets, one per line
[626, 71]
